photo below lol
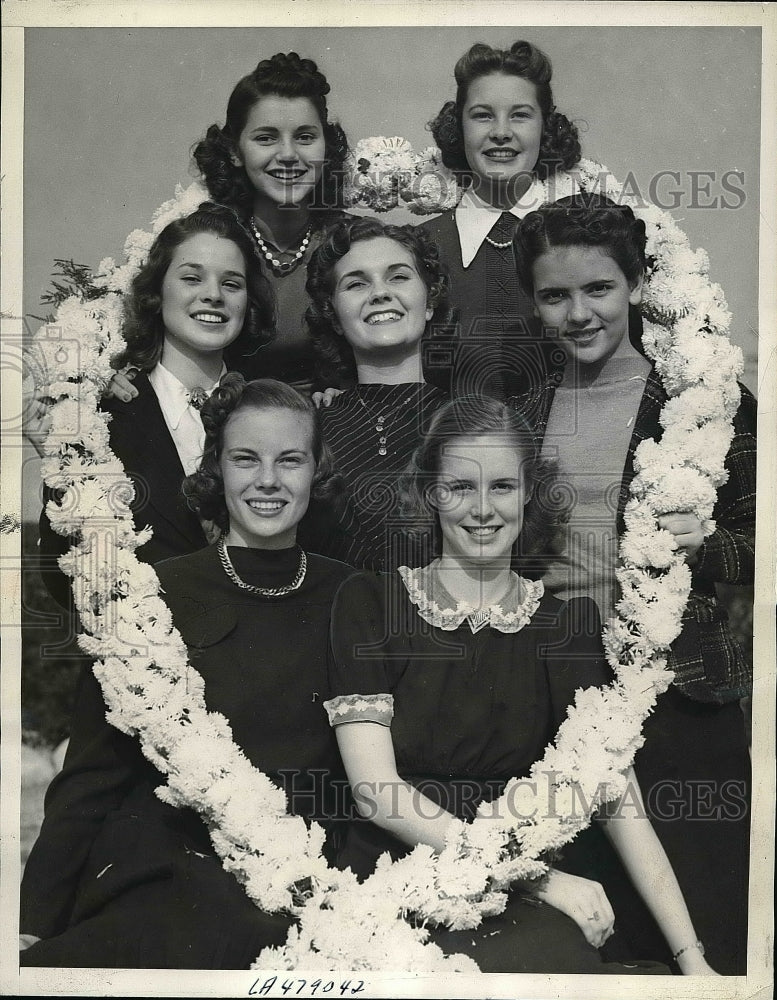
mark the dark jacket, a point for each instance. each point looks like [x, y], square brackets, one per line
[705, 655]
[140, 438]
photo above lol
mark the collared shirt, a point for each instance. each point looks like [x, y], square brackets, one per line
[475, 218]
[183, 420]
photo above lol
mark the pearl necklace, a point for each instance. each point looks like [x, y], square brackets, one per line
[499, 246]
[231, 572]
[283, 267]
[507, 223]
[380, 421]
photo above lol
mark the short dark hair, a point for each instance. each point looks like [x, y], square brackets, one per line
[560, 143]
[144, 330]
[477, 416]
[284, 75]
[204, 489]
[334, 360]
[589, 220]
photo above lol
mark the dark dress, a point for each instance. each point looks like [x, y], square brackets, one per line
[368, 530]
[470, 711]
[496, 330]
[694, 768]
[289, 355]
[119, 879]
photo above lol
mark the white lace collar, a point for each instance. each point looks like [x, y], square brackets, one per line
[436, 606]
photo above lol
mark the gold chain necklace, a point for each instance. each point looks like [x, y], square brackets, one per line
[231, 572]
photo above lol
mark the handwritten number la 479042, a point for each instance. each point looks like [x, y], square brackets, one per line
[301, 987]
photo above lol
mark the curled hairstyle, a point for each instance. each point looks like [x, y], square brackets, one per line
[587, 220]
[334, 358]
[284, 75]
[204, 489]
[478, 416]
[560, 143]
[144, 330]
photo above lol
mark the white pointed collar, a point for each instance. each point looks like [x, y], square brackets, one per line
[172, 394]
[475, 218]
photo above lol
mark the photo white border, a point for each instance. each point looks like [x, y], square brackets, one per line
[20, 14]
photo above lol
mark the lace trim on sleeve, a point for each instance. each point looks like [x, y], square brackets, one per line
[360, 708]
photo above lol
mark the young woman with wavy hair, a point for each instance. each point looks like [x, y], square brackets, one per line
[501, 135]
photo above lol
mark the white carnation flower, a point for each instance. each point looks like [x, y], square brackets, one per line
[376, 170]
[185, 201]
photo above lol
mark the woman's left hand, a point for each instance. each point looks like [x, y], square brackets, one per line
[121, 386]
[581, 899]
[687, 532]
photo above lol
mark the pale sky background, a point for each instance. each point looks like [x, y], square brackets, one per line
[111, 115]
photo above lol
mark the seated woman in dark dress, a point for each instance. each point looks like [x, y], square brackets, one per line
[378, 294]
[118, 878]
[452, 678]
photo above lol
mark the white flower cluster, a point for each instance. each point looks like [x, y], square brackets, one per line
[433, 187]
[686, 322]
[76, 347]
[375, 171]
[345, 925]
[153, 692]
[383, 173]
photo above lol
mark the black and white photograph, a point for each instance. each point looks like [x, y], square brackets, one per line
[388, 562]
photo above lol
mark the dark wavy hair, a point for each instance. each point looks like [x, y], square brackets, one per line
[478, 416]
[144, 330]
[334, 361]
[284, 75]
[560, 143]
[587, 220]
[204, 489]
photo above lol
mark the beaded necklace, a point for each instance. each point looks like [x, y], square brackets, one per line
[281, 267]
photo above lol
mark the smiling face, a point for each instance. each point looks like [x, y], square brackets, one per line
[267, 466]
[380, 300]
[584, 294]
[204, 296]
[502, 128]
[282, 149]
[479, 497]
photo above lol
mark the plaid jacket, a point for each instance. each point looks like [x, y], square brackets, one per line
[709, 663]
